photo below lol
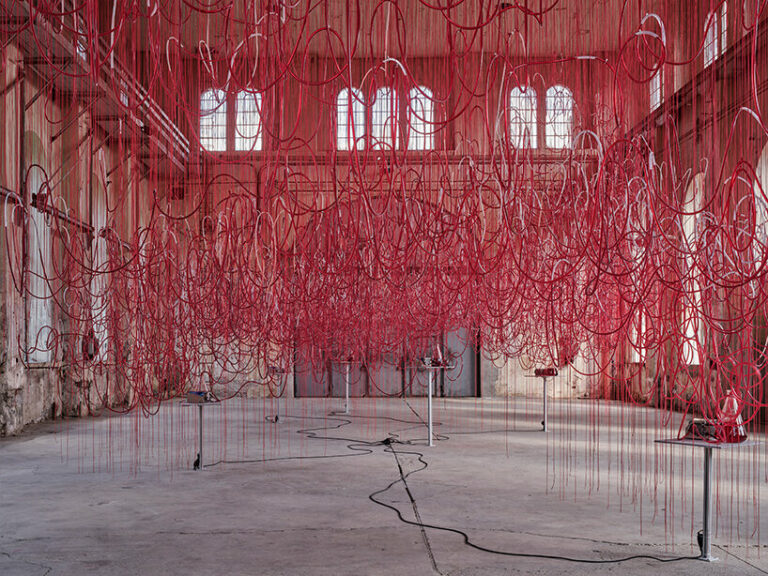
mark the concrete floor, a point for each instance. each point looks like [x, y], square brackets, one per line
[116, 495]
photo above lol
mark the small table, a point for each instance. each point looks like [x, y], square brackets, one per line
[706, 543]
[544, 373]
[200, 420]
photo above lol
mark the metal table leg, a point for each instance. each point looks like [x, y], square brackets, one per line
[706, 545]
[429, 406]
[346, 395]
[200, 453]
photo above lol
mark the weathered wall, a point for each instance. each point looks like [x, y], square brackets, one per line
[54, 136]
[500, 377]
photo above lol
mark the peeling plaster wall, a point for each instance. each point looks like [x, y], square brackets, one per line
[41, 391]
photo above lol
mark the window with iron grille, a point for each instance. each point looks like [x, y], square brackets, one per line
[522, 117]
[716, 34]
[248, 121]
[350, 119]
[420, 119]
[213, 120]
[384, 126]
[559, 117]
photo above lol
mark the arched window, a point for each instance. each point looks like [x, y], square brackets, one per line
[213, 120]
[656, 89]
[350, 119]
[248, 121]
[716, 34]
[420, 119]
[384, 129]
[691, 316]
[559, 117]
[522, 117]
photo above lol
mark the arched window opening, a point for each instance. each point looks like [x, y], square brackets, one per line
[522, 118]
[248, 121]
[420, 119]
[716, 34]
[213, 120]
[559, 117]
[656, 89]
[350, 119]
[384, 132]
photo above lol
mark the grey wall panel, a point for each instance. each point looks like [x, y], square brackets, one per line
[385, 378]
[312, 379]
[358, 380]
[461, 380]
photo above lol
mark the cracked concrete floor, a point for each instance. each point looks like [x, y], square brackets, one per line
[117, 495]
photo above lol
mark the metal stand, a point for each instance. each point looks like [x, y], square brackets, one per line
[429, 406]
[346, 394]
[200, 453]
[200, 406]
[431, 367]
[280, 373]
[706, 542]
[706, 533]
[544, 373]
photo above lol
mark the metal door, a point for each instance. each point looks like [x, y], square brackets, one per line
[461, 380]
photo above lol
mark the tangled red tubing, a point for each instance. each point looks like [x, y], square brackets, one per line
[353, 221]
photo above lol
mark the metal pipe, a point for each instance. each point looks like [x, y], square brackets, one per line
[346, 396]
[429, 406]
[544, 421]
[706, 546]
[200, 453]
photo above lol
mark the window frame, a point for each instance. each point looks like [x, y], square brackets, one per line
[241, 140]
[392, 133]
[218, 112]
[715, 34]
[351, 139]
[656, 90]
[552, 137]
[527, 135]
[229, 113]
[381, 133]
[421, 139]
